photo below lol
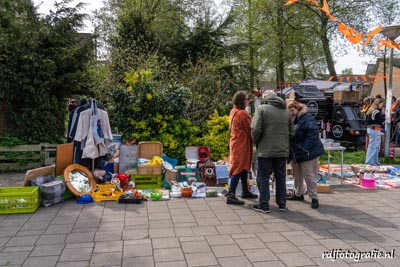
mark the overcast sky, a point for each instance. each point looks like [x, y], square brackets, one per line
[351, 60]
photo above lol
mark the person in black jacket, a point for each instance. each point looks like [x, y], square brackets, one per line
[306, 147]
[375, 119]
[396, 122]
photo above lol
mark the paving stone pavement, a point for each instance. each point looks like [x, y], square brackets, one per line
[205, 232]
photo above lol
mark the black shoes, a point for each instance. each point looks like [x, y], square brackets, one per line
[283, 208]
[314, 203]
[261, 209]
[294, 197]
[249, 195]
[231, 199]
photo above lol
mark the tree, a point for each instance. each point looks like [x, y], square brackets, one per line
[42, 61]
[348, 71]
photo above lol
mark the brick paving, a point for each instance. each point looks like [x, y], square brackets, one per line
[205, 232]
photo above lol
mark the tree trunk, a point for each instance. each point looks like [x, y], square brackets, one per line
[302, 63]
[251, 52]
[281, 46]
[325, 44]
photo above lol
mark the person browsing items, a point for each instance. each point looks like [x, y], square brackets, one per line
[271, 129]
[306, 147]
[375, 118]
[240, 148]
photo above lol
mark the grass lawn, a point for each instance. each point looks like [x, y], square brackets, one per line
[354, 157]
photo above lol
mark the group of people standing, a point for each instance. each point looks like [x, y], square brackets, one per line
[281, 133]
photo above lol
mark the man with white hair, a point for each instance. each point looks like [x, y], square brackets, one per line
[271, 129]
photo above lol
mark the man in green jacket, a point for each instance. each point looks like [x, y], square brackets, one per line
[271, 129]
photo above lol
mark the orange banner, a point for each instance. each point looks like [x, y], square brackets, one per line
[291, 2]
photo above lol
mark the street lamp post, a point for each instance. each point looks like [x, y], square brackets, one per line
[390, 32]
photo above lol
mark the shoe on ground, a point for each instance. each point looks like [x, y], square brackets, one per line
[294, 197]
[261, 209]
[249, 195]
[314, 203]
[232, 200]
[283, 208]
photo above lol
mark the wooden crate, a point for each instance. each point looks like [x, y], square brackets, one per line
[346, 96]
[149, 169]
[148, 150]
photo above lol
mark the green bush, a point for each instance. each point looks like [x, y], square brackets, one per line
[216, 136]
[145, 113]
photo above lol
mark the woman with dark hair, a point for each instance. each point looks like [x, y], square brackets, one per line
[241, 148]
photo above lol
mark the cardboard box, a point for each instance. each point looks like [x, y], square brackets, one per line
[148, 150]
[171, 175]
[323, 188]
[187, 174]
[346, 96]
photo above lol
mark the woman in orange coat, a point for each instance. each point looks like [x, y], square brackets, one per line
[241, 148]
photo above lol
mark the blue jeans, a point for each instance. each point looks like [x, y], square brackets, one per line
[374, 146]
[265, 168]
[235, 180]
[397, 134]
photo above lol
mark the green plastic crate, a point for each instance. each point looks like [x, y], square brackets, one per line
[19, 199]
[147, 181]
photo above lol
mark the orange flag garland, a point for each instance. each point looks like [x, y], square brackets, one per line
[291, 2]
[372, 33]
[354, 37]
[314, 2]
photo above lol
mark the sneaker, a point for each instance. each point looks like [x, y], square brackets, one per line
[314, 203]
[283, 208]
[231, 199]
[249, 195]
[261, 209]
[294, 197]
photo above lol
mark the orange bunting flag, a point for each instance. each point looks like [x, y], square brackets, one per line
[380, 76]
[314, 2]
[332, 18]
[291, 2]
[351, 35]
[364, 78]
[372, 33]
[331, 78]
[340, 79]
[343, 29]
[355, 39]
[355, 77]
[371, 76]
[388, 44]
[325, 8]
[348, 79]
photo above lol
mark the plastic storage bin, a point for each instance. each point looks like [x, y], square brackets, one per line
[368, 183]
[19, 199]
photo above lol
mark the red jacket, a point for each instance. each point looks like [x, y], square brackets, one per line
[240, 142]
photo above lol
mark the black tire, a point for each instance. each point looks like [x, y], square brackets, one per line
[360, 147]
